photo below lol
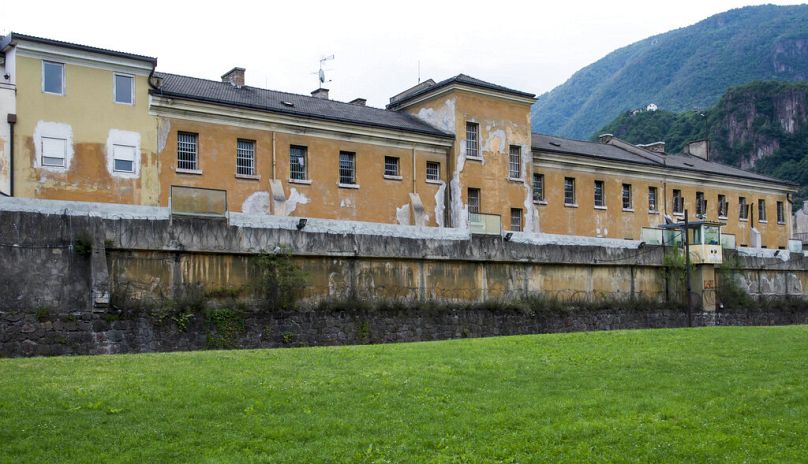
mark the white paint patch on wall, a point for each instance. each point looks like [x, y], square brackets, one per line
[346, 203]
[443, 117]
[123, 138]
[439, 204]
[403, 215]
[257, 203]
[53, 130]
[496, 141]
[163, 129]
[295, 198]
[531, 213]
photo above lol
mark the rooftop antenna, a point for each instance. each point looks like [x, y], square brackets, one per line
[321, 73]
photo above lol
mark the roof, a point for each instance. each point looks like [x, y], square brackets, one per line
[6, 40]
[224, 93]
[431, 86]
[681, 161]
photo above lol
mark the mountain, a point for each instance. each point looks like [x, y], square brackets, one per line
[761, 126]
[684, 69]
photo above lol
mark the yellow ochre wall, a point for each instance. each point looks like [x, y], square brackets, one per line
[502, 123]
[88, 108]
[614, 222]
[376, 199]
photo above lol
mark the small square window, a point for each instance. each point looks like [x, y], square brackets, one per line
[53, 78]
[432, 170]
[390, 166]
[123, 157]
[53, 151]
[124, 89]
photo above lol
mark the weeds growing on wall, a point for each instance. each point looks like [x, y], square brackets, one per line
[279, 282]
[729, 293]
[676, 268]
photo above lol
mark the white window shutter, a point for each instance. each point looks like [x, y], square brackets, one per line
[123, 152]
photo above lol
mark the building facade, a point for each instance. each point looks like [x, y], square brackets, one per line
[84, 123]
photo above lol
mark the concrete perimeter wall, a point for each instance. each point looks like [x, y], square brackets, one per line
[62, 262]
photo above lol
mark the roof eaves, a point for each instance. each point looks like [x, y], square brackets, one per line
[58, 43]
[459, 79]
[431, 132]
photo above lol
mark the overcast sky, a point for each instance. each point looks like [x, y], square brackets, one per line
[529, 46]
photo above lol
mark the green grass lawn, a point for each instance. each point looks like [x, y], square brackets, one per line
[724, 394]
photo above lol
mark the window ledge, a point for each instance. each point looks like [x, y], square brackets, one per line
[781, 223]
[762, 221]
[197, 172]
[474, 158]
[743, 219]
[570, 205]
[628, 210]
[540, 202]
[515, 179]
[434, 181]
[722, 218]
[679, 214]
[389, 177]
[247, 177]
[347, 186]
[299, 181]
[653, 211]
[602, 208]
[124, 103]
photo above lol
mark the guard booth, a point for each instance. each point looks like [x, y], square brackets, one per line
[704, 242]
[703, 237]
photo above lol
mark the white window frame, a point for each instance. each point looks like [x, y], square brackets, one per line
[516, 227]
[394, 164]
[781, 212]
[762, 216]
[349, 158]
[653, 199]
[115, 89]
[538, 187]
[627, 194]
[63, 156]
[195, 169]
[571, 181]
[723, 206]
[473, 142]
[743, 209]
[64, 78]
[299, 175]
[115, 158]
[678, 202]
[598, 194]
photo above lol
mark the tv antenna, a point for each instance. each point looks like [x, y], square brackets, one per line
[321, 73]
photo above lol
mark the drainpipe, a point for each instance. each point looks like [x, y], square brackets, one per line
[413, 169]
[273, 156]
[12, 119]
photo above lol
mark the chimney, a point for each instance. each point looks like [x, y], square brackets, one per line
[605, 138]
[235, 77]
[358, 102]
[656, 147]
[699, 148]
[320, 93]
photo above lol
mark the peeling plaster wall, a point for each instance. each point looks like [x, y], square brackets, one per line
[403, 215]
[91, 122]
[8, 105]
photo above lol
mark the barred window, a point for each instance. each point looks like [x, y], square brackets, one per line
[569, 190]
[432, 170]
[297, 162]
[627, 202]
[538, 187]
[245, 157]
[600, 200]
[516, 219]
[781, 213]
[474, 200]
[723, 206]
[515, 162]
[701, 204]
[743, 208]
[472, 139]
[390, 166]
[347, 167]
[187, 151]
[678, 202]
[761, 210]
[652, 199]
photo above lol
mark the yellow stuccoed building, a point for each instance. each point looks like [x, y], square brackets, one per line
[89, 124]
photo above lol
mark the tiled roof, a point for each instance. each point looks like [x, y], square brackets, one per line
[422, 89]
[5, 40]
[288, 103]
[682, 161]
